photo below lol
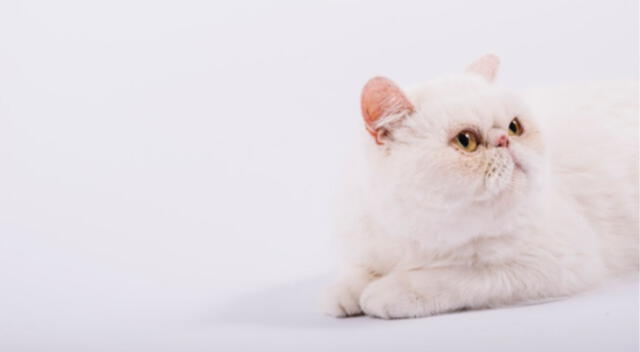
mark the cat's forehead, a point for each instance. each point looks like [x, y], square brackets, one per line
[455, 87]
[467, 98]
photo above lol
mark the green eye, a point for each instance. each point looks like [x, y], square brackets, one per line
[515, 127]
[467, 141]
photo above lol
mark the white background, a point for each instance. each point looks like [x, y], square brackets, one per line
[166, 167]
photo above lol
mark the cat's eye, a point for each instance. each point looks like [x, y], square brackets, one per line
[515, 127]
[466, 140]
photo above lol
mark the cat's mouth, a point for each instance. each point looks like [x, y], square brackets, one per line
[503, 173]
[517, 165]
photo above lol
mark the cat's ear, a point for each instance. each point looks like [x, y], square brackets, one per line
[383, 103]
[486, 66]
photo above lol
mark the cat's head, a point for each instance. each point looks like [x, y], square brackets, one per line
[457, 141]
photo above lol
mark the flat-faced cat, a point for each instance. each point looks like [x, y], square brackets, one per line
[469, 196]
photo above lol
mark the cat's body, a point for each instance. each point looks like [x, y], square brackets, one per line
[432, 224]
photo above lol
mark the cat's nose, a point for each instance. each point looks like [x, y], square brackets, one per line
[503, 141]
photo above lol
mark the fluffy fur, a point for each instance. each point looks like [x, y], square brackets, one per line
[429, 228]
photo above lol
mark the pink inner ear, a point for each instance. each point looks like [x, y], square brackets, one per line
[380, 98]
[486, 66]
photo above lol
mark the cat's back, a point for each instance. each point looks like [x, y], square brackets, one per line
[590, 127]
[591, 137]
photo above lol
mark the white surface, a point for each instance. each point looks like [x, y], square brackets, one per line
[166, 167]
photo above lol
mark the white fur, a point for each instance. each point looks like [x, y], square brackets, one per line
[429, 229]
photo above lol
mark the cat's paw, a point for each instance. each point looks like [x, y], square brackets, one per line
[340, 300]
[389, 298]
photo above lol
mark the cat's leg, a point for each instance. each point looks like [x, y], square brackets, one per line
[425, 292]
[342, 299]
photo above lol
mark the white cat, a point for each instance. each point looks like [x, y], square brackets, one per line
[469, 198]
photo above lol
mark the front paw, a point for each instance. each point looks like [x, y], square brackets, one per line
[390, 298]
[341, 300]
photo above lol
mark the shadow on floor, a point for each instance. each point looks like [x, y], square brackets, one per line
[290, 305]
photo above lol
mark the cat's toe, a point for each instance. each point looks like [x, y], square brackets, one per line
[390, 300]
[340, 301]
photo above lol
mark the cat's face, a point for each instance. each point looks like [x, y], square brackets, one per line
[458, 142]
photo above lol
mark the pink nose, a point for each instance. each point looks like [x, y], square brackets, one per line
[503, 141]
